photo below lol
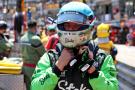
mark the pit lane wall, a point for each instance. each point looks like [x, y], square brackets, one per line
[126, 67]
[13, 81]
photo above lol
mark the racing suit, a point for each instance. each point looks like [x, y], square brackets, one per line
[47, 77]
[31, 49]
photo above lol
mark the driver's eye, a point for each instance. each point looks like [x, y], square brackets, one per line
[71, 26]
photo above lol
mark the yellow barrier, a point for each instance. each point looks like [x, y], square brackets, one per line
[10, 67]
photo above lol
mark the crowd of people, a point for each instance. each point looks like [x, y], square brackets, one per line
[122, 34]
[71, 54]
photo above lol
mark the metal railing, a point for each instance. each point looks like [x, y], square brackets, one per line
[126, 76]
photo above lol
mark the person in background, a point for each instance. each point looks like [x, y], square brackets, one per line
[29, 14]
[104, 42]
[131, 39]
[114, 33]
[77, 63]
[52, 42]
[43, 35]
[53, 37]
[131, 36]
[31, 49]
[124, 30]
[5, 45]
[51, 29]
[18, 23]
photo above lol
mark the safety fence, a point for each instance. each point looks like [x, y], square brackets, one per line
[126, 67]
[126, 76]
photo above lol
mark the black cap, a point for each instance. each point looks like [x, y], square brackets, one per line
[32, 23]
[3, 25]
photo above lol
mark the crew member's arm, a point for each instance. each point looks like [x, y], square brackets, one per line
[5, 47]
[37, 44]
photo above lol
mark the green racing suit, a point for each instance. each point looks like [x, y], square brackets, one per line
[45, 78]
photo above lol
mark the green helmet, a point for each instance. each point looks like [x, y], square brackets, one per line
[76, 12]
[51, 27]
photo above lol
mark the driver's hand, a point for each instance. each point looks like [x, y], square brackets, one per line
[64, 59]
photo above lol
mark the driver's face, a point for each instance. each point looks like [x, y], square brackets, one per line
[71, 26]
[2, 31]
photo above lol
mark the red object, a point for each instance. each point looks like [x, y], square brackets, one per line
[113, 35]
[29, 65]
[133, 34]
[53, 40]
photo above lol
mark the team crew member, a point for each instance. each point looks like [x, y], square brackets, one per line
[32, 49]
[5, 45]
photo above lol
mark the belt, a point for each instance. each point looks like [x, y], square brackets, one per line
[29, 65]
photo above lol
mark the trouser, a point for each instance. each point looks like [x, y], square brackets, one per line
[28, 71]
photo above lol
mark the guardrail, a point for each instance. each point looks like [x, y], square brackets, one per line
[126, 66]
[126, 76]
